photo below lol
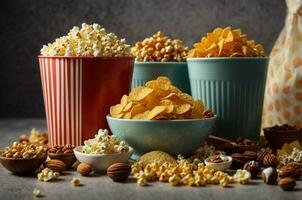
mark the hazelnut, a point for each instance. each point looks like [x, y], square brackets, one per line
[269, 175]
[119, 171]
[84, 169]
[287, 183]
[290, 170]
[253, 167]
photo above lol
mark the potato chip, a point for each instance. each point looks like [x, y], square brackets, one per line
[116, 110]
[198, 109]
[168, 104]
[139, 93]
[124, 100]
[157, 110]
[182, 109]
[226, 43]
[127, 115]
[128, 107]
[143, 115]
[158, 100]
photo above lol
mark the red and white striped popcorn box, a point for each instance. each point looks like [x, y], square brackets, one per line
[78, 92]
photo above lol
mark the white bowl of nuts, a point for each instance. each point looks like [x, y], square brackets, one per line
[219, 162]
[102, 151]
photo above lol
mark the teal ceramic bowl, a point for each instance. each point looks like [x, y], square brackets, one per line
[176, 71]
[234, 89]
[172, 136]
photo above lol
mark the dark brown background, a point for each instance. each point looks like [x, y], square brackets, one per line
[28, 24]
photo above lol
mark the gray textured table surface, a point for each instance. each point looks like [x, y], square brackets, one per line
[101, 187]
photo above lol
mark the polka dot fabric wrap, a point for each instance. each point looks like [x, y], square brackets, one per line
[283, 95]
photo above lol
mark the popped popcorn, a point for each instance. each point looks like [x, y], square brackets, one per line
[89, 40]
[294, 156]
[242, 176]
[181, 173]
[23, 150]
[47, 175]
[37, 192]
[103, 143]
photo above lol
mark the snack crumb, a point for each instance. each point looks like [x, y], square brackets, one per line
[37, 193]
[75, 182]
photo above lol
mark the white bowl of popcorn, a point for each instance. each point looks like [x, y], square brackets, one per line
[103, 150]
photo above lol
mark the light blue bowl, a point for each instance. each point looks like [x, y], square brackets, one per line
[234, 89]
[176, 71]
[172, 136]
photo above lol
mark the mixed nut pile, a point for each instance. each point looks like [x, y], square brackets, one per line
[283, 168]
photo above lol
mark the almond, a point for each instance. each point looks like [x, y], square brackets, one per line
[55, 165]
[287, 183]
[84, 169]
[119, 171]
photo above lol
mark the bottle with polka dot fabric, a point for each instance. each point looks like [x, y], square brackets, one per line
[283, 94]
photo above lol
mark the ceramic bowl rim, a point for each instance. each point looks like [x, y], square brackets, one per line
[159, 63]
[228, 58]
[215, 117]
[88, 57]
[221, 163]
[25, 159]
[77, 151]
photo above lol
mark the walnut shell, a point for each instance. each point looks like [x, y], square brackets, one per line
[84, 169]
[253, 167]
[290, 170]
[287, 183]
[119, 171]
[55, 165]
[270, 160]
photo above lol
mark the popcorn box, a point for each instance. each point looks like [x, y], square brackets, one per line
[78, 92]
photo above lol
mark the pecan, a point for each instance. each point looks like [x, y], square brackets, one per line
[261, 156]
[119, 171]
[61, 149]
[216, 159]
[290, 170]
[250, 155]
[270, 160]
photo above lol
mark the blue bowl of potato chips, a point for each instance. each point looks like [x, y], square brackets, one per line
[181, 136]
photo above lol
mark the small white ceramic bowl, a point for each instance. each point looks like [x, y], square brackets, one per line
[222, 166]
[100, 162]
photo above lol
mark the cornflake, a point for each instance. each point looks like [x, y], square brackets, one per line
[89, 40]
[226, 43]
[103, 143]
